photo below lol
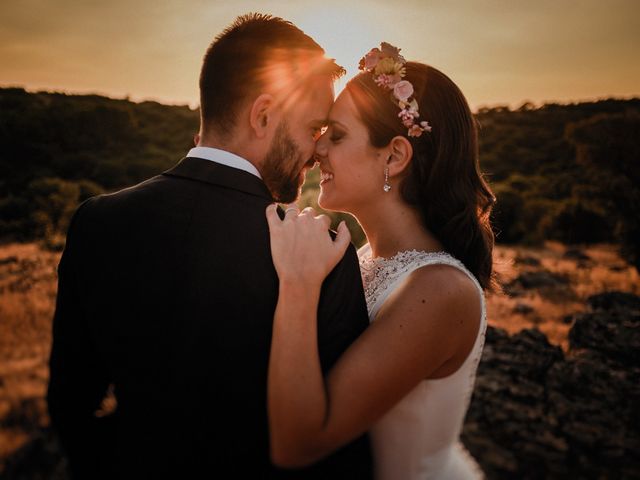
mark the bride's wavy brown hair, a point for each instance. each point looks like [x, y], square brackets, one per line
[444, 181]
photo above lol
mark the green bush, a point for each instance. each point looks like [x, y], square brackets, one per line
[576, 221]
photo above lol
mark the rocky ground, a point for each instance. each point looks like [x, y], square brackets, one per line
[557, 391]
[540, 413]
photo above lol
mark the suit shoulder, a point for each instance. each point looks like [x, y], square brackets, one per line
[347, 271]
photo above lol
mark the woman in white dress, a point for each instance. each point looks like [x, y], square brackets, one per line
[400, 154]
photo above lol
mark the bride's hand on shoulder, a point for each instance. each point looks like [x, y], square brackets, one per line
[301, 246]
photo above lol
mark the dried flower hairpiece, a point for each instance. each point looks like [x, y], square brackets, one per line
[387, 67]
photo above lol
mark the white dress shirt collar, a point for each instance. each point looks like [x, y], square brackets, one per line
[225, 158]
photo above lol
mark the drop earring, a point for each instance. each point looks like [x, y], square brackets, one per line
[386, 187]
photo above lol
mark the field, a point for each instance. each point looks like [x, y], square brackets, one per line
[542, 287]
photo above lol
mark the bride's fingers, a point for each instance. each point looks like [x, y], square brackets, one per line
[326, 221]
[343, 238]
[273, 219]
[291, 211]
[308, 211]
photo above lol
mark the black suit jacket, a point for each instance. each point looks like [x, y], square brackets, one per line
[167, 292]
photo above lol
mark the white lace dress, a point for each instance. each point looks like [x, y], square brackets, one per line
[419, 437]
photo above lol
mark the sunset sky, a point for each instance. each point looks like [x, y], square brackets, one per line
[498, 52]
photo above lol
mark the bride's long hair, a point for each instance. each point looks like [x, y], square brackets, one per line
[444, 181]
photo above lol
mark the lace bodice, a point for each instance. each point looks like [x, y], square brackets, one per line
[379, 273]
[419, 437]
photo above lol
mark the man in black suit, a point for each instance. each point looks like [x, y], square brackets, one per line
[167, 289]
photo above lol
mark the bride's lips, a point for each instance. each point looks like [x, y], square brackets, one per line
[325, 177]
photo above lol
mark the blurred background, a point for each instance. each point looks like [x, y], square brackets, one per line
[97, 96]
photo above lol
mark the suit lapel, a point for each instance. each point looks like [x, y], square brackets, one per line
[217, 174]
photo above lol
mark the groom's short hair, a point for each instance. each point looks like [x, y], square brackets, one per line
[234, 65]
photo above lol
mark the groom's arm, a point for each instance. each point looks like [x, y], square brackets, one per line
[77, 382]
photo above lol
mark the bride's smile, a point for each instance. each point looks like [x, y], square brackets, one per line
[325, 177]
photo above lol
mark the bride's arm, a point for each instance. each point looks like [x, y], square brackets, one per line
[310, 416]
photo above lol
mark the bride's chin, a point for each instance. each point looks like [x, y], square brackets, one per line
[328, 204]
[324, 202]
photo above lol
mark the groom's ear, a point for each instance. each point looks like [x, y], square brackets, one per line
[261, 115]
[400, 154]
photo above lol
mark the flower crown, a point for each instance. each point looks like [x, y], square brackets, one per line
[387, 67]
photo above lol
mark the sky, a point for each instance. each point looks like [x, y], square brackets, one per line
[498, 52]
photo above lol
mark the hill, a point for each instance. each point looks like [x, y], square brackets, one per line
[57, 150]
[560, 172]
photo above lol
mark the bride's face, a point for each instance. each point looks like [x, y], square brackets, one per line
[352, 170]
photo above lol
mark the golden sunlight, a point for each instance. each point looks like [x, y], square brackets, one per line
[346, 36]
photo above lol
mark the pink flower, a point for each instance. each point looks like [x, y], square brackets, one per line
[425, 126]
[407, 117]
[386, 81]
[415, 131]
[372, 58]
[403, 90]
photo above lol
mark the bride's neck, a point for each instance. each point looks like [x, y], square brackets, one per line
[393, 227]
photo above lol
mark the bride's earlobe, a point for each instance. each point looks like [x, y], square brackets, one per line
[400, 157]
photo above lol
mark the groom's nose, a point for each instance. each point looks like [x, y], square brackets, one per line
[321, 147]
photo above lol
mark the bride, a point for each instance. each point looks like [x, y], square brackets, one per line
[400, 154]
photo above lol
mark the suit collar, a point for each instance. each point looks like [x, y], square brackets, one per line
[213, 173]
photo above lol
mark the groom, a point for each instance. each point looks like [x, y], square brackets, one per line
[167, 289]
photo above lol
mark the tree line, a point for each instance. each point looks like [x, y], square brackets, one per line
[564, 172]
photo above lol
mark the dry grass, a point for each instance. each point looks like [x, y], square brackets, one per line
[27, 300]
[549, 309]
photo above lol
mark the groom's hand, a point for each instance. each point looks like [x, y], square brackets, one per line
[301, 246]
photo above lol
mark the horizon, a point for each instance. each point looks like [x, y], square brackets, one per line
[511, 107]
[499, 53]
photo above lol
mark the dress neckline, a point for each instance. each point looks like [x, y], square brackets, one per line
[403, 254]
[379, 273]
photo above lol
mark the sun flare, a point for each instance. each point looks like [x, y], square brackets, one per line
[346, 36]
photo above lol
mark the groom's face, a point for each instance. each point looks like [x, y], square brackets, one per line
[291, 152]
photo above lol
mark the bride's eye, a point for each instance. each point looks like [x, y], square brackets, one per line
[336, 136]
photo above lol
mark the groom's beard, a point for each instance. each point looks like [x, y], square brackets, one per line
[282, 166]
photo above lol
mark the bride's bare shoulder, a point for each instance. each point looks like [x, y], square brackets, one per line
[448, 281]
[444, 302]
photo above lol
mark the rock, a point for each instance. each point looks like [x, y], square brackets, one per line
[614, 333]
[567, 319]
[612, 327]
[553, 287]
[8, 260]
[595, 400]
[527, 260]
[537, 413]
[40, 457]
[523, 308]
[614, 300]
[539, 278]
[618, 268]
[576, 254]
[528, 354]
